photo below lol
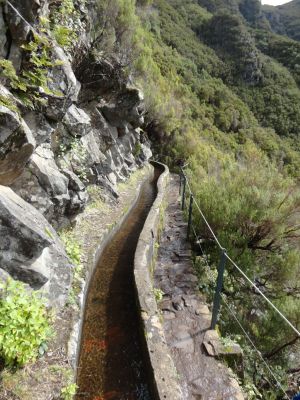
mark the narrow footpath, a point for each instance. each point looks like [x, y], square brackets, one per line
[186, 317]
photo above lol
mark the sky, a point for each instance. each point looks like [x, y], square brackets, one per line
[275, 2]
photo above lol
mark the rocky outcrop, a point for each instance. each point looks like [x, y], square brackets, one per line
[30, 249]
[17, 145]
[86, 130]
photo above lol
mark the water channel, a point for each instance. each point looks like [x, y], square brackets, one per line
[111, 362]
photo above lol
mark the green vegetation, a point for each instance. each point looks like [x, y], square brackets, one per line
[96, 200]
[284, 19]
[69, 391]
[33, 84]
[72, 247]
[137, 149]
[65, 23]
[25, 383]
[73, 250]
[216, 99]
[9, 103]
[24, 327]
[158, 294]
[222, 93]
[74, 155]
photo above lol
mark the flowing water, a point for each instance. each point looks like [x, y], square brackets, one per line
[111, 363]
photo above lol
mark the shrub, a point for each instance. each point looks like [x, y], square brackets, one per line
[69, 391]
[24, 324]
[73, 248]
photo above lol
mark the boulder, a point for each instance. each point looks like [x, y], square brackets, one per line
[77, 121]
[30, 249]
[52, 181]
[145, 153]
[128, 107]
[39, 126]
[77, 202]
[16, 145]
[4, 276]
[78, 194]
[105, 183]
[98, 76]
[91, 143]
[106, 133]
[74, 182]
[28, 187]
[43, 166]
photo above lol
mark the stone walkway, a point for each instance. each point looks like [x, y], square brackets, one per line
[186, 317]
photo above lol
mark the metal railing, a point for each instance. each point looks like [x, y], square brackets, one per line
[192, 205]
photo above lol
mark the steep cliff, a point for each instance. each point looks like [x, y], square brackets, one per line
[70, 118]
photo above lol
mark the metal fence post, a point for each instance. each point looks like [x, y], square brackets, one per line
[190, 216]
[219, 286]
[183, 192]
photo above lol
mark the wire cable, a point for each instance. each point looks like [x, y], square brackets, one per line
[255, 348]
[201, 213]
[240, 270]
[21, 16]
[264, 296]
[212, 278]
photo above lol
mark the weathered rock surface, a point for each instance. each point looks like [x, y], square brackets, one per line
[127, 107]
[77, 121]
[30, 250]
[87, 132]
[16, 145]
[65, 83]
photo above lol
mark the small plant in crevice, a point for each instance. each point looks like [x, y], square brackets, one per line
[8, 73]
[66, 22]
[32, 84]
[74, 156]
[137, 149]
[158, 294]
[72, 247]
[73, 250]
[9, 103]
[24, 324]
[79, 155]
[68, 391]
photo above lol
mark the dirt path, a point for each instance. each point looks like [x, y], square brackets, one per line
[186, 317]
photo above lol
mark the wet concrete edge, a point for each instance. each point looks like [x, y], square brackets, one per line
[74, 344]
[165, 379]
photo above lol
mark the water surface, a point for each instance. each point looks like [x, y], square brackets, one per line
[111, 363]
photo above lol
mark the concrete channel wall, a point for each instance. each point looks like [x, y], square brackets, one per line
[93, 248]
[162, 369]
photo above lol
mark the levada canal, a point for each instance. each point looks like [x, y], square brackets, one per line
[111, 364]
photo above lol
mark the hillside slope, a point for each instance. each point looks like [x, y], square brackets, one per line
[222, 93]
[284, 19]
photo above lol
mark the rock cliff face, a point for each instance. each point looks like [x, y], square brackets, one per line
[86, 131]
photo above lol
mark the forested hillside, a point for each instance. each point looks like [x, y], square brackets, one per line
[284, 19]
[221, 84]
[222, 91]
